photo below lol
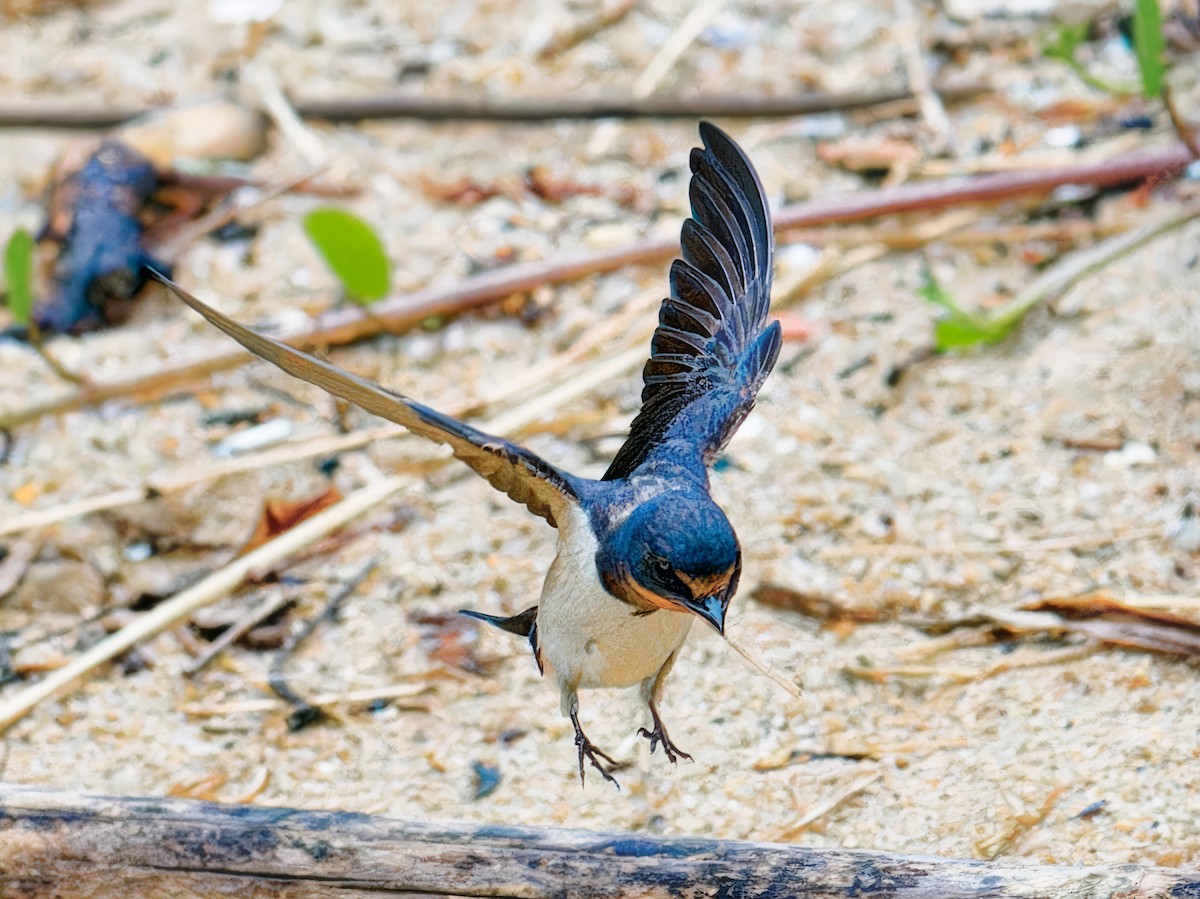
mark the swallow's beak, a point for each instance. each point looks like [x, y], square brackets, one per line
[711, 609]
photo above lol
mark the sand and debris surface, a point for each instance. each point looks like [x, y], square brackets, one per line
[897, 531]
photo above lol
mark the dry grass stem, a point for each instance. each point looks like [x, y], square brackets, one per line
[661, 64]
[766, 670]
[217, 585]
[932, 110]
[238, 629]
[831, 804]
[311, 147]
[362, 696]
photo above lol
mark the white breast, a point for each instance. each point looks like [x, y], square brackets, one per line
[589, 638]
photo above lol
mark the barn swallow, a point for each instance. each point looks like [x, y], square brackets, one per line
[644, 550]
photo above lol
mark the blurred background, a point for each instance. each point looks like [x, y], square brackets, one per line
[967, 499]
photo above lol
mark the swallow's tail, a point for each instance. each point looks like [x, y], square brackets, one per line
[524, 625]
[521, 625]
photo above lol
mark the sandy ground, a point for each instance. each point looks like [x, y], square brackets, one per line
[965, 487]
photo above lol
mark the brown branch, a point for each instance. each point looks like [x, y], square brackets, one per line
[61, 843]
[1123, 169]
[440, 109]
[346, 325]
[401, 106]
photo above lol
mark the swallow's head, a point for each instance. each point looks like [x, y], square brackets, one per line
[674, 553]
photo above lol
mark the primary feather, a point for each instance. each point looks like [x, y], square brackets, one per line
[522, 475]
[713, 347]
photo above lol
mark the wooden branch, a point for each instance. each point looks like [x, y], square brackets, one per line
[68, 844]
[545, 109]
[1139, 165]
[346, 325]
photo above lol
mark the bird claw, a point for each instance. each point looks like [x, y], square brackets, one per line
[589, 751]
[659, 735]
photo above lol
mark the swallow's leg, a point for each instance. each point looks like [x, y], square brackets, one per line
[652, 691]
[587, 749]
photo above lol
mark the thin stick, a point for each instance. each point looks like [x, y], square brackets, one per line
[445, 109]
[903, 238]
[303, 709]
[1074, 268]
[190, 476]
[765, 669]
[306, 141]
[829, 805]
[681, 38]
[609, 15]
[216, 585]
[1161, 601]
[321, 700]
[170, 246]
[535, 376]
[239, 629]
[932, 110]
[398, 314]
[661, 63]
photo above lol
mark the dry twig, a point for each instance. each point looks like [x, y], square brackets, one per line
[820, 811]
[303, 711]
[239, 629]
[363, 696]
[406, 105]
[932, 110]
[662, 62]
[213, 587]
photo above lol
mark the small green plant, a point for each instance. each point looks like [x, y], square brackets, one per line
[353, 252]
[959, 329]
[1148, 45]
[1063, 44]
[18, 273]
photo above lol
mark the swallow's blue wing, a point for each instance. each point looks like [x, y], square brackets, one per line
[511, 469]
[713, 347]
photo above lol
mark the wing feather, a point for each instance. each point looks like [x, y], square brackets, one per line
[713, 347]
[523, 476]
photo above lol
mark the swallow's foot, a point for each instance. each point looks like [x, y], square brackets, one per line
[589, 751]
[659, 735]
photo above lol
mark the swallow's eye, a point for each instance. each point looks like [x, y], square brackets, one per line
[661, 565]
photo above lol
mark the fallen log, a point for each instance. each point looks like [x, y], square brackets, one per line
[68, 844]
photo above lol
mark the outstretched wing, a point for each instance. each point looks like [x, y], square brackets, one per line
[524, 476]
[713, 347]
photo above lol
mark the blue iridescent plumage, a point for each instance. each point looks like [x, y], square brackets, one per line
[644, 548]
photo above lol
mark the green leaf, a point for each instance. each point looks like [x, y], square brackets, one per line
[18, 273]
[353, 252]
[1148, 44]
[960, 329]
